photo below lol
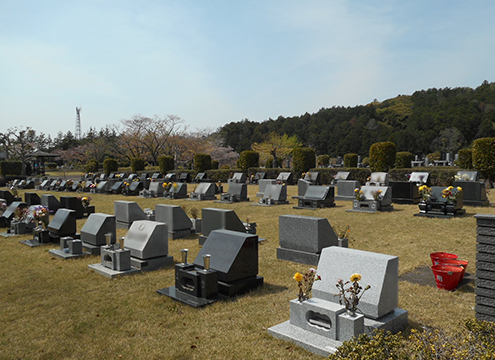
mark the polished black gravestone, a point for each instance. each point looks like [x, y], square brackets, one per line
[286, 178]
[473, 189]
[439, 207]
[406, 192]
[314, 177]
[32, 199]
[317, 197]
[234, 258]
[238, 177]
[185, 177]
[8, 197]
[63, 224]
[73, 203]
[51, 202]
[9, 213]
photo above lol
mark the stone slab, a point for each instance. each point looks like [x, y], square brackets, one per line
[152, 264]
[312, 342]
[297, 256]
[482, 309]
[486, 275]
[482, 265]
[102, 270]
[485, 252]
[483, 283]
[486, 301]
[433, 215]
[484, 230]
[186, 298]
[63, 255]
[485, 317]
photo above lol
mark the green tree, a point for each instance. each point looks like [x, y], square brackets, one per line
[276, 146]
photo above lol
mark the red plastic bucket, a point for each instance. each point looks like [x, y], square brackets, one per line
[447, 277]
[461, 263]
[436, 256]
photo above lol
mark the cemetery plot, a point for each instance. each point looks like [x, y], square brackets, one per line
[176, 191]
[226, 266]
[145, 249]
[317, 197]
[274, 195]
[237, 192]
[204, 191]
[262, 184]
[439, 206]
[320, 324]
[473, 189]
[406, 192]
[63, 224]
[372, 199]
[238, 177]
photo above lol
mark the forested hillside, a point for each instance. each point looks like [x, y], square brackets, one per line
[426, 121]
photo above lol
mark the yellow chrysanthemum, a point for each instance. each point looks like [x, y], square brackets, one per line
[355, 277]
[450, 188]
[459, 188]
[298, 277]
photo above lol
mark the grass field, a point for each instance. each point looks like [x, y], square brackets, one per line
[59, 309]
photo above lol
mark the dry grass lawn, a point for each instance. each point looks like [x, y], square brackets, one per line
[59, 309]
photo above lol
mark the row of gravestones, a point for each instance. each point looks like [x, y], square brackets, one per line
[318, 324]
[227, 265]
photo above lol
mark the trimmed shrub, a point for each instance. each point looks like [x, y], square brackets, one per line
[323, 160]
[166, 163]
[110, 165]
[465, 160]
[219, 175]
[434, 156]
[350, 160]
[202, 162]
[328, 174]
[484, 157]
[403, 159]
[303, 159]
[11, 168]
[52, 165]
[382, 156]
[439, 175]
[137, 164]
[92, 166]
[248, 159]
[215, 164]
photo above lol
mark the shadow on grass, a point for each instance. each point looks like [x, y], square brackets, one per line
[424, 276]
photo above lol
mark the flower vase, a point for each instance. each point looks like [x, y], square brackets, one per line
[350, 312]
[422, 206]
[343, 242]
[450, 208]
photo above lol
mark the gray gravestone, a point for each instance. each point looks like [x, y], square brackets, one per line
[94, 230]
[345, 189]
[126, 212]
[178, 223]
[216, 219]
[262, 184]
[302, 238]
[204, 191]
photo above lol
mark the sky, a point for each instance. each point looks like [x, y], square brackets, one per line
[215, 62]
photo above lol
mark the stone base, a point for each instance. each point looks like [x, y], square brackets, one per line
[186, 298]
[406, 200]
[317, 344]
[63, 255]
[123, 225]
[91, 249]
[370, 210]
[152, 264]
[476, 203]
[440, 215]
[34, 243]
[102, 270]
[179, 234]
[324, 346]
[240, 286]
[273, 203]
[344, 198]
[297, 256]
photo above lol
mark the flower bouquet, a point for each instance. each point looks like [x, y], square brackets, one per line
[305, 283]
[350, 295]
[40, 214]
[450, 194]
